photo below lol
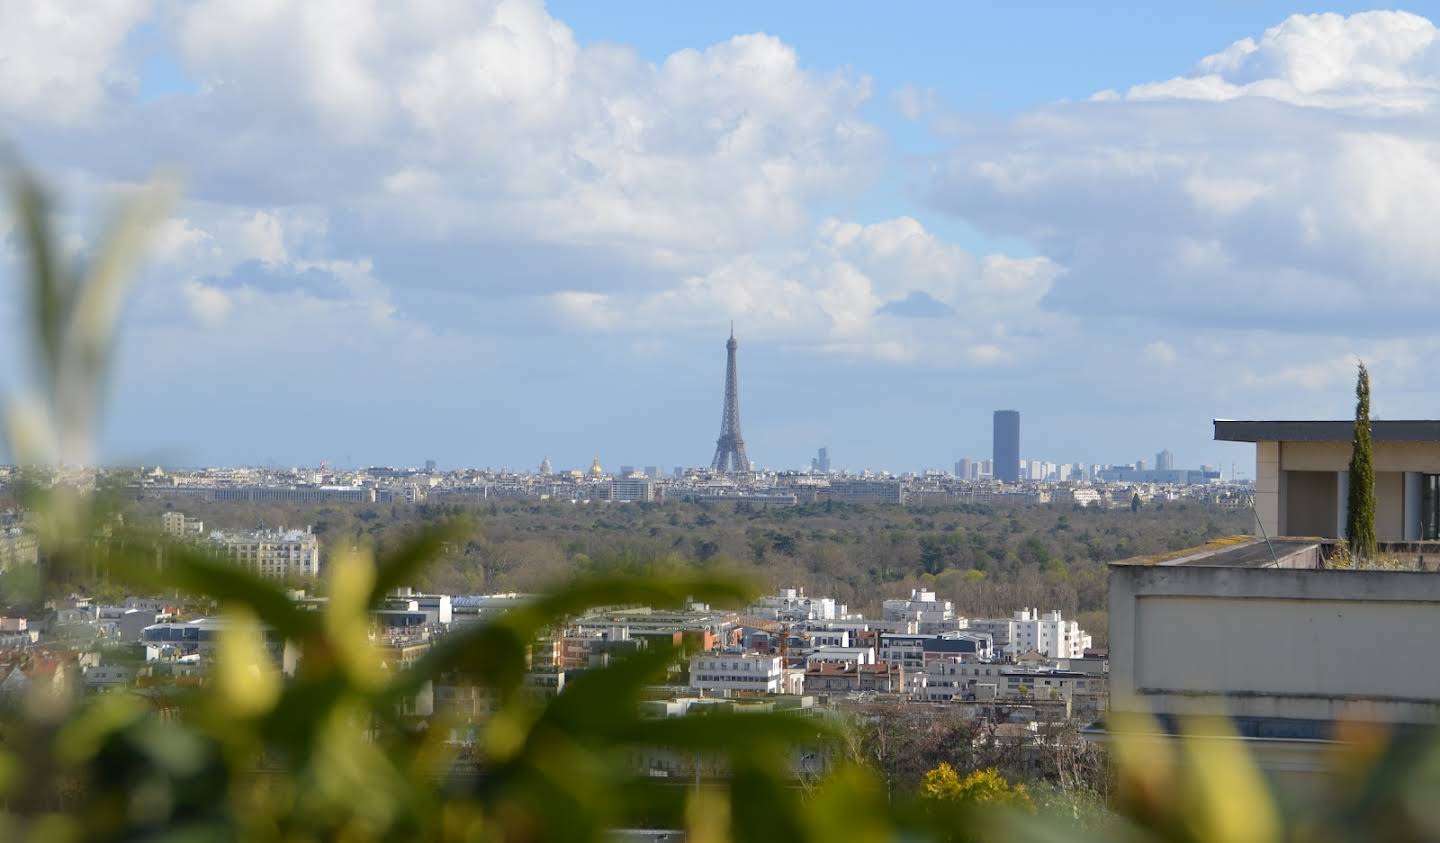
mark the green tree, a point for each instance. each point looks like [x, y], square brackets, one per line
[1360, 520]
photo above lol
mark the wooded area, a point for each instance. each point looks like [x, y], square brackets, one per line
[988, 560]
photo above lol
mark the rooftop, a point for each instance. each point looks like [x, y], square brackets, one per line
[1239, 552]
[1386, 430]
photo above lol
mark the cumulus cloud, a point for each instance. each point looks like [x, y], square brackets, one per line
[1297, 196]
[1371, 61]
[57, 59]
[490, 117]
[856, 290]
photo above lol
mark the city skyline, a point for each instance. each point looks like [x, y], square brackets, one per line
[851, 188]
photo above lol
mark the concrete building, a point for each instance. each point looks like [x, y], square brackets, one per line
[913, 652]
[863, 491]
[632, 488]
[1302, 478]
[1048, 634]
[1264, 632]
[175, 523]
[1006, 446]
[17, 548]
[793, 604]
[1164, 460]
[929, 614]
[727, 673]
[279, 554]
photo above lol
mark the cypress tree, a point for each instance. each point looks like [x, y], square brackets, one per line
[1360, 521]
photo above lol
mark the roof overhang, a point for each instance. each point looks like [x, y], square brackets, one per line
[1412, 430]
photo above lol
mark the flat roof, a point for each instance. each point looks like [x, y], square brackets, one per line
[1382, 430]
[1231, 552]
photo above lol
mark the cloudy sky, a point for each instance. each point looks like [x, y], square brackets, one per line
[487, 232]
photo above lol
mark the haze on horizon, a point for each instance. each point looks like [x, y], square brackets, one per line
[484, 233]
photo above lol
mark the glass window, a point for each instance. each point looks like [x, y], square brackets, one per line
[1430, 507]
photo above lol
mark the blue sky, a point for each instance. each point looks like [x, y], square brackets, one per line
[484, 233]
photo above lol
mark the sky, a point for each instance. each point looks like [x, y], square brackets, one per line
[489, 232]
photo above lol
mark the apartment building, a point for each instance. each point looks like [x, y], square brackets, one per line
[278, 554]
[793, 604]
[175, 524]
[17, 548]
[727, 673]
[1048, 634]
[913, 652]
[863, 491]
[929, 613]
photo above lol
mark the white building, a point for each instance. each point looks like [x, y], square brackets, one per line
[951, 679]
[792, 604]
[728, 672]
[272, 553]
[929, 613]
[1077, 496]
[1048, 634]
[176, 524]
[850, 655]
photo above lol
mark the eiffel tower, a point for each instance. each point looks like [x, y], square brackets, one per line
[730, 447]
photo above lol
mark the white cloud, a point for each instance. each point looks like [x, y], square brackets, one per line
[831, 297]
[496, 118]
[57, 57]
[1373, 61]
[1301, 197]
[1160, 353]
[209, 305]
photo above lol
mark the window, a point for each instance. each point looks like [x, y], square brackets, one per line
[1430, 506]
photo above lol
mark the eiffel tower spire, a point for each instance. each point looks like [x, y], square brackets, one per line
[730, 447]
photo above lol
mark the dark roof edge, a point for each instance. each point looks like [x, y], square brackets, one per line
[1381, 430]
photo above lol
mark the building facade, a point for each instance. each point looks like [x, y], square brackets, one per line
[727, 673]
[1006, 446]
[278, 554]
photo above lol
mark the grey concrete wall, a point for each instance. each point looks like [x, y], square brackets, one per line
[1275, 643]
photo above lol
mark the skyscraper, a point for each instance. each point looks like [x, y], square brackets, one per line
[1006, 446]
[821, 463]
[1164, 461]
[730, 447]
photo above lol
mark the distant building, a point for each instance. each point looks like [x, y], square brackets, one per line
[1006, 446]
[1048, 634]
[793, 604]
[725, 673]
[863, 491]
[545, 469]
[271, 553]
[965, 469]
[632, 489]
[821, 463]
[1164, 461]
[176, 524]
[928, 613]
[17, 547]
